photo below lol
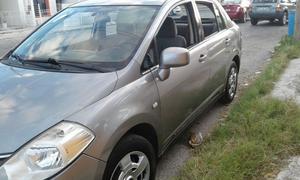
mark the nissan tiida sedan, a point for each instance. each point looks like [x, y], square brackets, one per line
[100, 90]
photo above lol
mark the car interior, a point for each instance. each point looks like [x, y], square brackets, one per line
[177, 31]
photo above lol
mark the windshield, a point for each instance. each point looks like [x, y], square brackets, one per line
[101, 34]
[231, 1]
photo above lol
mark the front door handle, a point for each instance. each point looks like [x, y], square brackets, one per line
[227, 41]
[202, 58]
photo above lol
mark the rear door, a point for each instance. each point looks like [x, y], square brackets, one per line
[217, 40]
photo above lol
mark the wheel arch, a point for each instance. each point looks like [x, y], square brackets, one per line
[148, 132]
[237, 60]
[136, 125]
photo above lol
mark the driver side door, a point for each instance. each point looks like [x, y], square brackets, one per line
[187, 86]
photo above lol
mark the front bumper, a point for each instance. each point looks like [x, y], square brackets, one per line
[84, 168]
[266, 15]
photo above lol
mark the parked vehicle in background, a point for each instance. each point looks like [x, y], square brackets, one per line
[270, 10]
[103, 88]
[238, 10]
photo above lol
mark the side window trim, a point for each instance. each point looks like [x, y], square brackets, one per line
[193, 22]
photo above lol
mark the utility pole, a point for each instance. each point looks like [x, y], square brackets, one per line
[297, 21]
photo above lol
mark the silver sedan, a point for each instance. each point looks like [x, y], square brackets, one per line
[101, 89]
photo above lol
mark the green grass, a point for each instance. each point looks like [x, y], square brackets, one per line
[258, 133]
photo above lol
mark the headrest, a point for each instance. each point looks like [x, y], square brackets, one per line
[168, 29]
[102, 20]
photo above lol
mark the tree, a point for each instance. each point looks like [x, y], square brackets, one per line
[297, 21]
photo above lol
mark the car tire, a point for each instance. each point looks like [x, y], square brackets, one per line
[254, 21]
[139, 155]
[231, 84]
[283, 19]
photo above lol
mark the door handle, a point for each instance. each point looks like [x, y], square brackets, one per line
[202, 58]
[227, 41]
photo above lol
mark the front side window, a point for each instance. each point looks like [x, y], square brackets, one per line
[177, 30]
[183, 19]
[106, 35]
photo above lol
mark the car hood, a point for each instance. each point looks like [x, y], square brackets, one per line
[32, 101]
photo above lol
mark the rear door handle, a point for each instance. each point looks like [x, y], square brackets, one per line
[202, 58]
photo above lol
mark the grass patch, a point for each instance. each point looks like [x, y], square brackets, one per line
[259, 132]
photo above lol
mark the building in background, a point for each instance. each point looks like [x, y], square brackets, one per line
[29, 13]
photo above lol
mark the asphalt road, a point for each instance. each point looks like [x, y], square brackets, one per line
[258, 44]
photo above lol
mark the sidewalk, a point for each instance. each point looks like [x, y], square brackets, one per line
[288, 88]
[15, 33]
[11, 37]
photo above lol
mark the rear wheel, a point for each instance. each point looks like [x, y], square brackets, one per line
[283, 19]
[254, 21]
[231, 84]
[133, 158]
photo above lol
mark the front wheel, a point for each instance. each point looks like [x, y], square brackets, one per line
[231, 84]
[133, 158]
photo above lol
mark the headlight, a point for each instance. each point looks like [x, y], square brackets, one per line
[48, 153]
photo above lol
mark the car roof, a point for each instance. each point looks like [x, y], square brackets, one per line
[120, 2]
[129, 2]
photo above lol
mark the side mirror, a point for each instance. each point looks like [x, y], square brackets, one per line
[172, 57]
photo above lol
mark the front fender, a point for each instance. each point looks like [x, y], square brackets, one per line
[112, 117]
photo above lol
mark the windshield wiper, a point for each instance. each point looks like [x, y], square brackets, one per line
[52, 61]
[56, 64]
[18, 58]
[40, 63]
[80, 65]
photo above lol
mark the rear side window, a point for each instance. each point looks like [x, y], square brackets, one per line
[211, 18]
[220, 19]
[208, 19]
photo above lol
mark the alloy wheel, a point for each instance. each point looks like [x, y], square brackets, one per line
[133, 166]
[232, 82]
